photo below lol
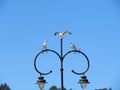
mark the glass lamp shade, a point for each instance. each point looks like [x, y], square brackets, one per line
[41, 83]
[83, 85]
[83, 82]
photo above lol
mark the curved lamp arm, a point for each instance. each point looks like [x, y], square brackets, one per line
[46, 50]
[88, 63]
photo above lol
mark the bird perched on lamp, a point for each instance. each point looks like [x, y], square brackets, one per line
[45, 44]
[61, 34]
[73, 47]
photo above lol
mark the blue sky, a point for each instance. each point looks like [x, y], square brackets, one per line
[25, 24]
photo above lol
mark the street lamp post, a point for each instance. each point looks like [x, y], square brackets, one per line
[41, 82]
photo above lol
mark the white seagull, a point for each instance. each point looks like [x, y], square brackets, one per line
[61, 34]
[44, 44]
[72, 46]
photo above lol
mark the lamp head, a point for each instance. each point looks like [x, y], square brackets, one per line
[41, 82]
[83, 82]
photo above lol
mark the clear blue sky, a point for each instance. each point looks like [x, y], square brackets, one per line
[95, 27]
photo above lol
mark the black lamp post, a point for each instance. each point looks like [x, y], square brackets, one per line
[83, 81]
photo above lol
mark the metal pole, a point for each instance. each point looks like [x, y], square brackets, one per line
[61, 69]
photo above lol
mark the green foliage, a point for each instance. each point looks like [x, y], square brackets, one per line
[110, 88]
[53, 88]
[63, 89]
[104, 89]
[4, 87]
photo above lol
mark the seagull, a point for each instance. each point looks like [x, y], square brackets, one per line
[61, 34]
[44, 44]
[72, 46]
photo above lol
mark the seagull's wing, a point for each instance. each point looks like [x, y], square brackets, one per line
[56, 33]
[73, 47]
[66, 32]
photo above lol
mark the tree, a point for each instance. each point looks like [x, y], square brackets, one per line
[4, 87]
[104, 89]
[110, 88]
[63, 89]
[53, 88]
